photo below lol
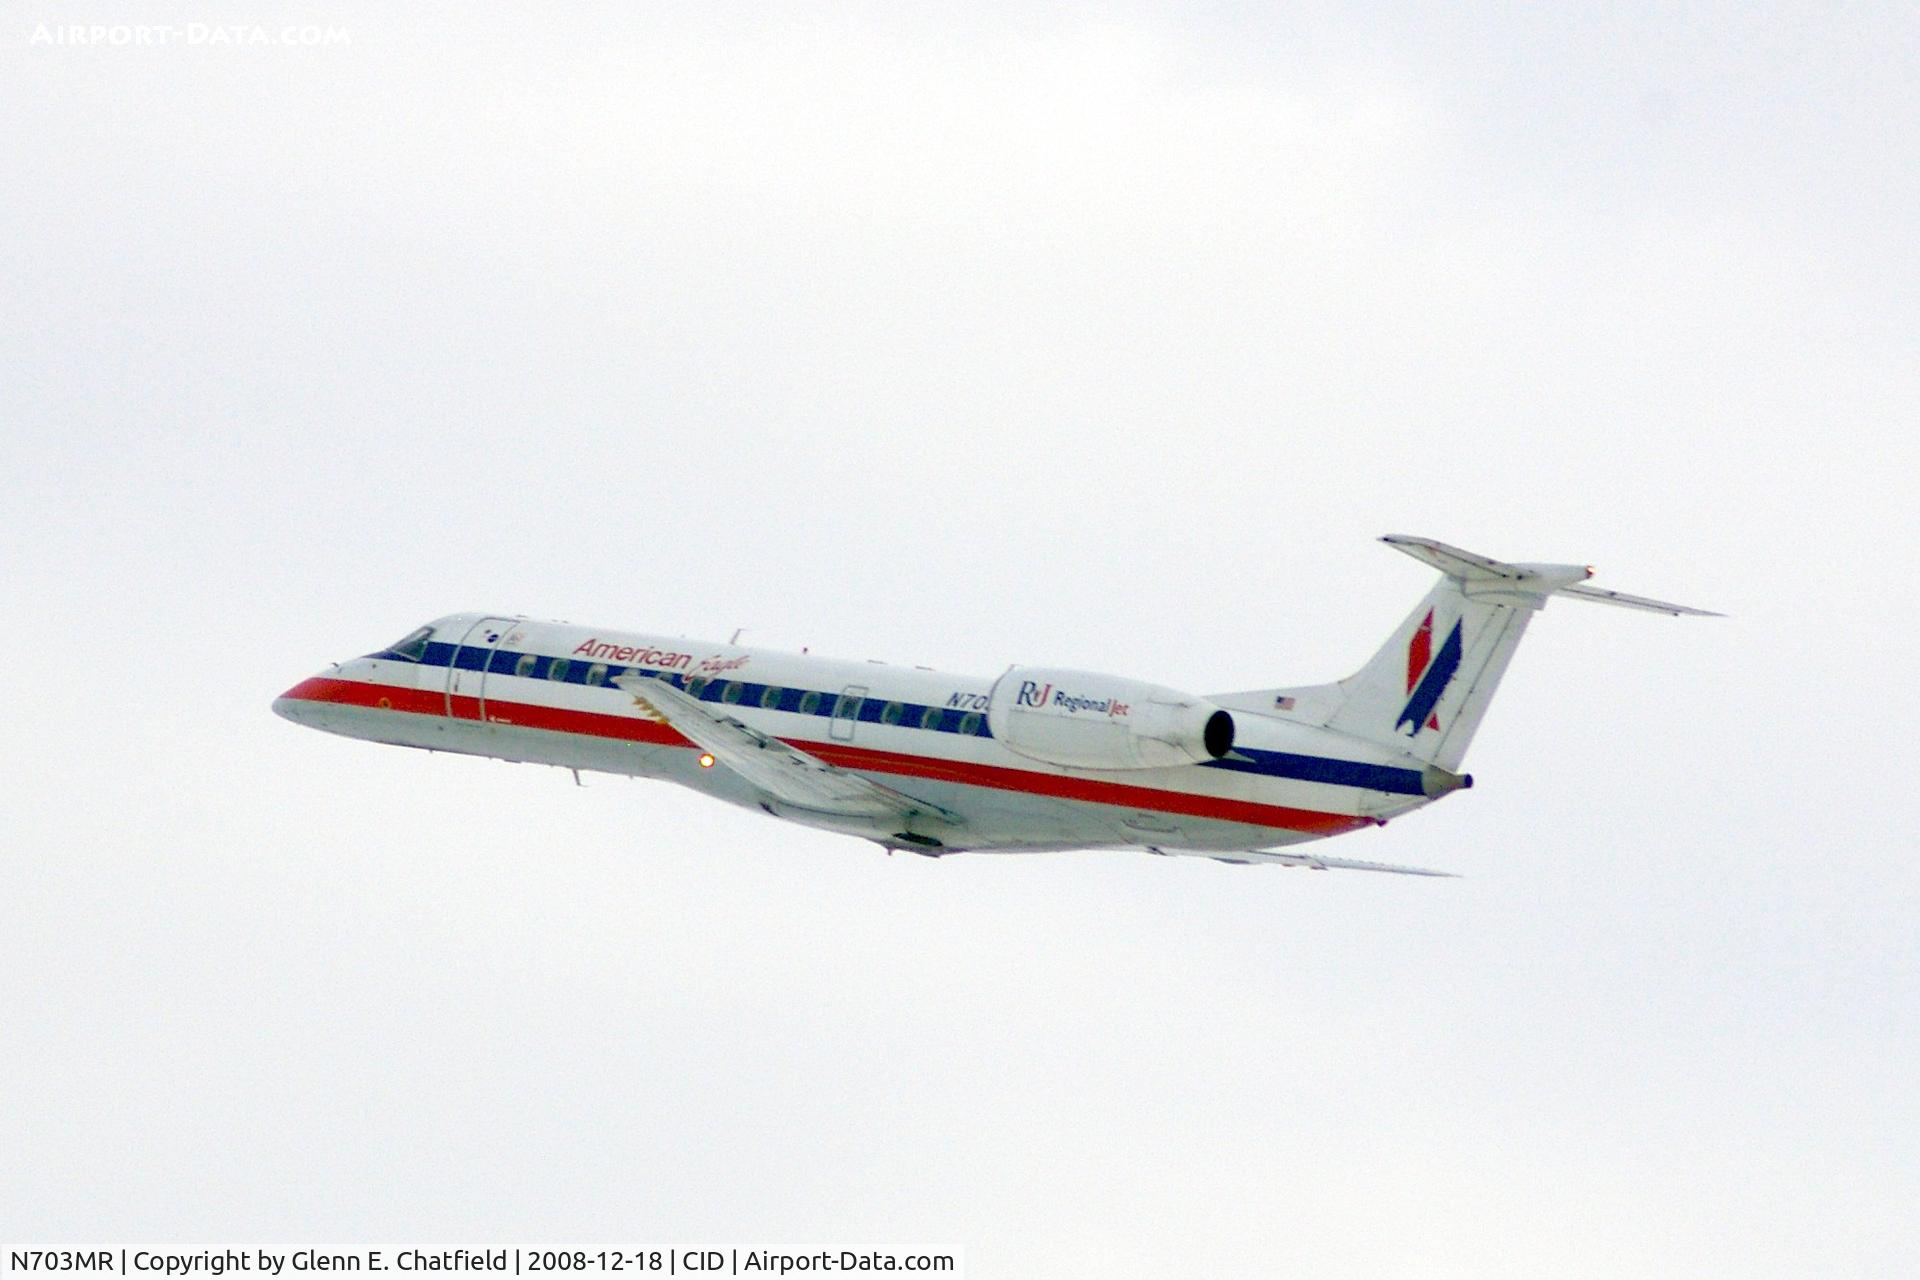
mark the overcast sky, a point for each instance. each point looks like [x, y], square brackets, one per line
[1107, 338]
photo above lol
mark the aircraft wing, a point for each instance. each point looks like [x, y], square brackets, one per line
[1318, 863]
[786, 773]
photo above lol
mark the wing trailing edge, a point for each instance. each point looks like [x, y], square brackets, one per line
[784, 773]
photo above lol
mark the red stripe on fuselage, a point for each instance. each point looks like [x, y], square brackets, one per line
[526, 715]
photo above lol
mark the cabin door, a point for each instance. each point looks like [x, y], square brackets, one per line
[846, 711]
[467, 673]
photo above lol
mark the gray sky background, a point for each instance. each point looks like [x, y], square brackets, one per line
[1104, 337]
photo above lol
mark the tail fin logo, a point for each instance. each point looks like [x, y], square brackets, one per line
[1428, 675]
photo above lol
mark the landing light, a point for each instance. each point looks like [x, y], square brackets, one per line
[706, 760]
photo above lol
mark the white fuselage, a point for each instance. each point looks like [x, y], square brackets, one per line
[520, 690]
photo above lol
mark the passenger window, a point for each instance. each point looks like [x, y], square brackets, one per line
[597, 673]
[697, 685]
[891, 713]
[733, 691]
[809, 703]
[847, 708]
[770, 697]
[970, 723]
[524, 667]
[558, 668]
[930, 718]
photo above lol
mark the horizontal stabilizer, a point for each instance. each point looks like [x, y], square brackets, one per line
[1451, 560]
[1625, 601]
[1287, 858]
[1484, 577]
[1425, 691]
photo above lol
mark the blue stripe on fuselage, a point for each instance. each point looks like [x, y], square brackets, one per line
[1267, 764]
[1338, 773]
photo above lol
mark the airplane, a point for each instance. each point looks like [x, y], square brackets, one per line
[1038, 759]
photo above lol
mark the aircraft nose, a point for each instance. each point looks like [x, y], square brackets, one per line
[299, 703]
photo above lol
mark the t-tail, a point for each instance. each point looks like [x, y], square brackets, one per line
[1428, 687]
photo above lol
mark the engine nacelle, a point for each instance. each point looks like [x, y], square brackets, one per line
[1089, 721]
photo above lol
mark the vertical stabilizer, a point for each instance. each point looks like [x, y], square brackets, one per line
[1428, 687]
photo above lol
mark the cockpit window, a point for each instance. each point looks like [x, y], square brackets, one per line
[411, 649]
